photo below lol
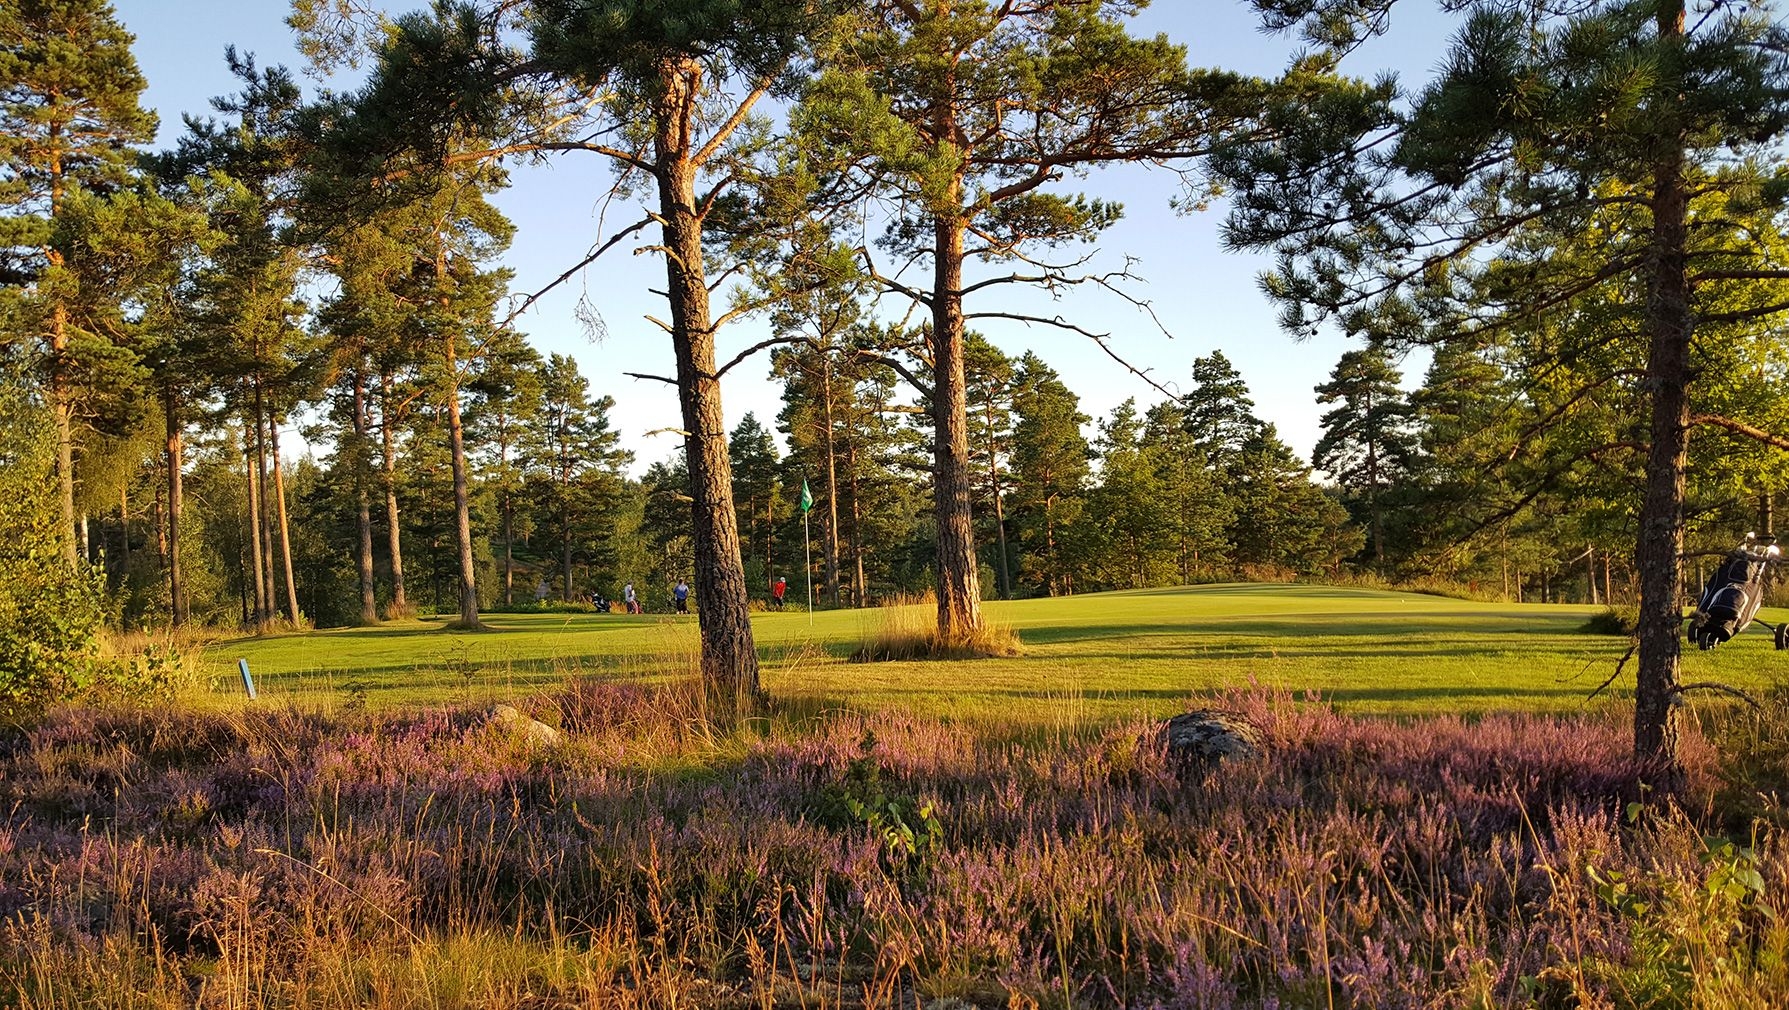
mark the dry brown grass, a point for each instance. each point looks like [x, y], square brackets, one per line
[909, 631]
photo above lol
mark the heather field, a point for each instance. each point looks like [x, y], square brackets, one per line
[1098, 656]
[946, 836]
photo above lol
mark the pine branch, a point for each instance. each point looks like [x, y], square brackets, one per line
[1741, 428]
[595, 254]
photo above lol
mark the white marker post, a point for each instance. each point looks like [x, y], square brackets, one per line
[247, 681]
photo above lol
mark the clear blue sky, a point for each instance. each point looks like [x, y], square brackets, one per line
[1206, 298]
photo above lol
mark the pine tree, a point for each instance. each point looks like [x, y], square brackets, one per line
[758, 488]
[1131, 535]
[988, 398]
[1050, 470]
[1541, 122]
[246, 294]
[69, 113]
[507, 387]
[1283, 522]
[1197, 503]
[660, 91]
[1217, 412]
[963, 116]
[575, 456]
[1367, 446]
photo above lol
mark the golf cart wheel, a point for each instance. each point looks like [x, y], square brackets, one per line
[1783, 636]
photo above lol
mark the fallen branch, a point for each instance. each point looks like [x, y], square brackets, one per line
[1600, 688]
[1719, 688]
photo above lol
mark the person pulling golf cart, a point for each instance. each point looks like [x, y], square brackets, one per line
[1732, 596]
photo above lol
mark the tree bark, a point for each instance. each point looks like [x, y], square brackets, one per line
[959, 588]
[729, 657]
[565, 514]
[176, 497]
[61, 407]
[270, 605]
[1004, 573]
[1373, 508]
[462, 503]
[251, 456]
[1590, 556]
[279, 494]
[859, 592]
[832, 491]
[369, 600]
[509, 555]
[508, 508]
[62, 412]
[400, 603]
[1660, 546]
[124, 536]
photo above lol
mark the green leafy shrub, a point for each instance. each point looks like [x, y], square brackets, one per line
[906, 825]
[51, 613]
[156, 672]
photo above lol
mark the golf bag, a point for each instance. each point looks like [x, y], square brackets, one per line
[1732, 596]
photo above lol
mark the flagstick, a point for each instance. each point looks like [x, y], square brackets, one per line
[807, 551]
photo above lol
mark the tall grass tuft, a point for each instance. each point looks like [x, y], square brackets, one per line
[909, 631]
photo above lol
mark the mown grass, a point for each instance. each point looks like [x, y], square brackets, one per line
[1107, 655]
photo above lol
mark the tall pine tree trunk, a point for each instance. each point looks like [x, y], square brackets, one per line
[959, 586]
[859, 591]
[832, 491]
[1373, 508]
[62, 413]
[279, 494]
[262, 517]
[369, 600]
[462, 498]
[251, 453]
[1660, 547]
[124, 536]
[61, 399]
[565, 517]
[462, 505]
[1005, 574]
[507, 507]
[729, 658]
[176, 498]
[400, 603]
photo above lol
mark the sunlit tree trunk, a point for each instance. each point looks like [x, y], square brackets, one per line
[369, 602]
[959, 589]
[729, 658]
[400, 603]
[251, 454]
[176, 498]
[279, 494]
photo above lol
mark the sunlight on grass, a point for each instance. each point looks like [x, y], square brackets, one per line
[1106, 655]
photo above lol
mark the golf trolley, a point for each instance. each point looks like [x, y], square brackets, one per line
[1733, 594]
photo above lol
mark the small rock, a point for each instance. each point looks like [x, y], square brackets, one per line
[513, 721]
[1210, 736]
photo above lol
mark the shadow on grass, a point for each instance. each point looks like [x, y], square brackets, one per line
[1388, 625]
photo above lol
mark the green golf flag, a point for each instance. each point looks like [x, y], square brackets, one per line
[807, 497]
